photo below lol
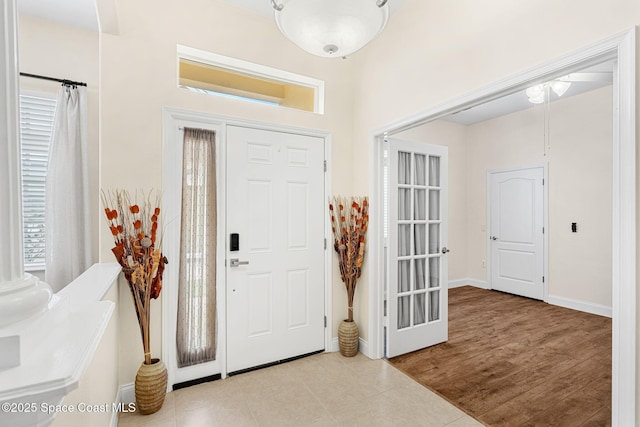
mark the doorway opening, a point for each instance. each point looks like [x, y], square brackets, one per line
[621, 50]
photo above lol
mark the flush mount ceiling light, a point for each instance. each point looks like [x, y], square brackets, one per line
[331, 28]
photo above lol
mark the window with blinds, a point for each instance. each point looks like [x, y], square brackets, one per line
[36, 126]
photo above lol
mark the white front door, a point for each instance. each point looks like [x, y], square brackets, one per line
[275, 280]
[418, 279]
[516, 209]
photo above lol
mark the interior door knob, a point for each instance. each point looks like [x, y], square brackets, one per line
[494, 238]
[445, 250]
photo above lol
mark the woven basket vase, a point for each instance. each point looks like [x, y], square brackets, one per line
[151, 387]
[348, 338]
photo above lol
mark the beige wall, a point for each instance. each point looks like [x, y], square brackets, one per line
[580, 180]
[98, 386]
[138, 70]
[433, 51]
[61, 51]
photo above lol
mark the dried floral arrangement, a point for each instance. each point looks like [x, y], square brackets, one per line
[349, 222]
[137, 249]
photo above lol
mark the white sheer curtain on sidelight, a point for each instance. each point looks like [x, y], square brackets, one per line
[67, 217]
[196, 328]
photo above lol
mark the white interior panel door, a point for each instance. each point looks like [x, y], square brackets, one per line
[275, 281]
[418, 279]
[516, 231]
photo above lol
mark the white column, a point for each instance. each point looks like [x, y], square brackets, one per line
[21, 294]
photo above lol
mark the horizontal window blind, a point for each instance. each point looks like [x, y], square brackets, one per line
[36, 127]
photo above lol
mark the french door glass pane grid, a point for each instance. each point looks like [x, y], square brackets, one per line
[413, 239]
[433, 300]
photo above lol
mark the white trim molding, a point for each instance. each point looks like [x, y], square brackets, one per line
[574, 304]
[477, 283]
[622, 49]
[125, 396]
[127, 393]
[363, 346]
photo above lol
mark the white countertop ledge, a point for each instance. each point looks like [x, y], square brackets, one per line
[56, 346]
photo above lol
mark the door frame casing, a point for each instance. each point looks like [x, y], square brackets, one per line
[622, 48]
[545, 223]
[173, 119]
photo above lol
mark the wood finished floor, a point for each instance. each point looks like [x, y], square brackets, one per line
[513, 361]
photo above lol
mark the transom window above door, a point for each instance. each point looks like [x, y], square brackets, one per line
[213, 74]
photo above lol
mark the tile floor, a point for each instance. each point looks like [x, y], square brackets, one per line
[321, 390]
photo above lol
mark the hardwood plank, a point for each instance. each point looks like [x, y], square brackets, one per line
[513, 361]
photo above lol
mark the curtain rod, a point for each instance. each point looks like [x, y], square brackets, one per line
[53, 79]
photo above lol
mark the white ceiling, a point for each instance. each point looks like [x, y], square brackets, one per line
[82, 13]
[264, 7]
[77, 13]
[519, 101]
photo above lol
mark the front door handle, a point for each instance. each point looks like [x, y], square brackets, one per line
[235, 262]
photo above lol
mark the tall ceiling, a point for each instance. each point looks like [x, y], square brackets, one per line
[77, 13]
[82, 13]
[263, 7]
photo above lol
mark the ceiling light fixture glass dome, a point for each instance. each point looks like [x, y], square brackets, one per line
[331, 28]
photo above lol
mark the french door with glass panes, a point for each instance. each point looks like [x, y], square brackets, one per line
[417, 282]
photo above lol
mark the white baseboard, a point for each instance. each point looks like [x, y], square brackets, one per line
[587, 307]
[468, 282]
[127, 393]
[363, 346]
[334, 345]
